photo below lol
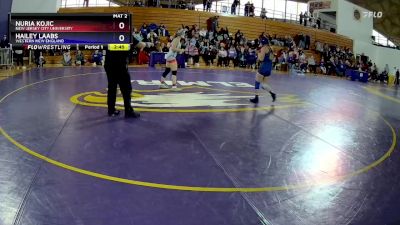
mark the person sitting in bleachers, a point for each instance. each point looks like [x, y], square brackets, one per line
[232, 56]
[162, 31]
[222, 56]
[97, 58]
[251, 58]
[311, 65]
[302, 62]
[39, 59]
[322, 66]
[67, 59]
[341, 68]
[80, 59]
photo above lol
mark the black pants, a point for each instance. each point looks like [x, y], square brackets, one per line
[121, 77]
[397, 80]
[19, 58]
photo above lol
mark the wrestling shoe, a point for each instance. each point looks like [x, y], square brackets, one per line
[254, 100]
[175, 88]
[113, 114]
[164, 86]
[273, 95]
[132, 114]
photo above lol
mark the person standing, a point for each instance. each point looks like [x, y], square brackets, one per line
[171, 62]
[397, 77]
[301, 18]
[4, 56]
[19, 57]
[305, 18]
[116, 66]
[265, 56]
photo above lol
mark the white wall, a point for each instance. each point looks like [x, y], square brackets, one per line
[379, 55]
[387, 56]
[367, 48]
[347, 25]
[35, 6]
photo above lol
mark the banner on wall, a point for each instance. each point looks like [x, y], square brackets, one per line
[317, 5]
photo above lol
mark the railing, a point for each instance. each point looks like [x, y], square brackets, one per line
[6, 57]
[217, 7]
[377, 40]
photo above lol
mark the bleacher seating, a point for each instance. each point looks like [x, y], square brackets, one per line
[251, 27]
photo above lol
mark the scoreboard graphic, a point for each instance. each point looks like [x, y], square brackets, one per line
[66, 31]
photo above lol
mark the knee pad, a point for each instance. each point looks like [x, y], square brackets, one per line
[174, 73]
[257, 85]
[166, 72]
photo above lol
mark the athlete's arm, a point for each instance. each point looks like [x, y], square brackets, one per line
[174, 46]
[262, 52]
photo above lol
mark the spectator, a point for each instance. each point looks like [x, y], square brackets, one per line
[40, 60]
[340, 68]
[144, 31]
[311, 64]
[4, 55]
[162, 31]
[232, 55]
[4, 43]
[242, 57]
[233, 8]
[374, 73]
[208, 5]
[301, 18]
[80, 59]
[222, 56]
[251, 58]
[322, 66]
[247, 9]
[67, 59]
[263, 14]
[303, 62]
[305, 19]
[19, 57]
[164, 47]
[152, 37]
[204, 5]
[397, 77]
[318, 23]
[97, 58]
[213, 51]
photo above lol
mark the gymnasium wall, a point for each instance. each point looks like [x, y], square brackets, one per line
[348, 25]
[5, 8]
[35, 6]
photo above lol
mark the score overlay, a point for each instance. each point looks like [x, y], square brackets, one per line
[66, 31]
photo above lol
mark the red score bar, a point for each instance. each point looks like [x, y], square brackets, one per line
[117, 25]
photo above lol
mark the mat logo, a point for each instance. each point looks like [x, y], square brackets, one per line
[190, 98]
[195, 83]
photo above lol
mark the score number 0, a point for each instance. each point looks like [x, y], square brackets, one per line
[121, 26]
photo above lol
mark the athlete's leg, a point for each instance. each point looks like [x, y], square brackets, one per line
[174, 69]
[164, 75]
[268, 88]
[258, 80]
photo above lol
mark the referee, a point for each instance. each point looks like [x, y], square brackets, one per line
[116, 66]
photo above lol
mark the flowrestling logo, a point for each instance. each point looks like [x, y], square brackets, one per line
[196, 96]
[374, 14]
